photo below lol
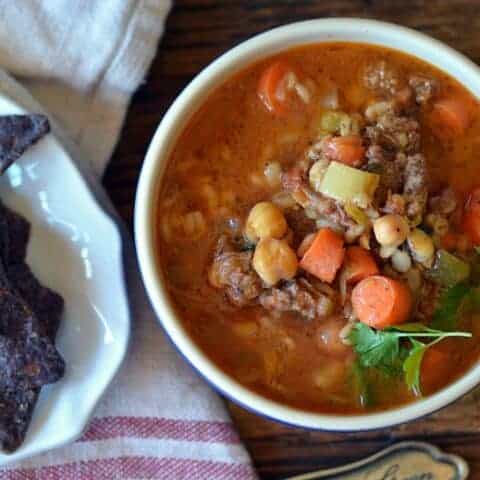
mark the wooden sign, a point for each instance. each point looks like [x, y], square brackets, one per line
[402, 461]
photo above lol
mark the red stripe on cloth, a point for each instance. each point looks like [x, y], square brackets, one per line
[145, 468]
[165, 428]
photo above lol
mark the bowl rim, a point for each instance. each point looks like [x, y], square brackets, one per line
[260, 46]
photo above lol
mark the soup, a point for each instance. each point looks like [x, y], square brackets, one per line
[317, 228]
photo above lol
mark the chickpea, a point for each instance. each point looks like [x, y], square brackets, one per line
[274, 260]
[421, 246]
[391, 230]
[387, 252]
[265, 220]
[401, 261]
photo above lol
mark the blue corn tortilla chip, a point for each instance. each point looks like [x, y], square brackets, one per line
[45, 303]
[17, 405]
[17, 134]
[27, 357]
[29, 319]
[29, 363]
[18, 233]
[16, 410]
[14, 235]
[28, 360]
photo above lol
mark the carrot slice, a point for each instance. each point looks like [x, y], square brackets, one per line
[359, 264]
[324, 256]
[348, 150]
[471, 217]
[450, 116]
[381, 302]
[435, 369]
[274, 89]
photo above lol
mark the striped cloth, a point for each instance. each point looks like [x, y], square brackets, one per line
[82, 60]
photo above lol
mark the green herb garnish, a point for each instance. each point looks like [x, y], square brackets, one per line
[360, 385]
[375, 348]
[449, 306]
[381, 349]
[448, 269]
[412, 364]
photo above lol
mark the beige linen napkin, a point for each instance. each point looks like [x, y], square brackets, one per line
[81, 60]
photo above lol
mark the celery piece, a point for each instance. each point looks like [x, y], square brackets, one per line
[356, 214]
[339, 123]
[330, 121]
[349, 125]
[448, 270]
[347, 184]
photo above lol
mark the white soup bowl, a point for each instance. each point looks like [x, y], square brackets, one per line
[173, 123]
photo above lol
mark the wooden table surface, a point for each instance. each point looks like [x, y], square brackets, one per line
[197, 32]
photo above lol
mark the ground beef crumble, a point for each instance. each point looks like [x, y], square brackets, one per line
[382, 77]
[325, 207]
[396, 133]
[298, 296]
[444, 203]
[424, 88]
[415, 184]
[232, 269]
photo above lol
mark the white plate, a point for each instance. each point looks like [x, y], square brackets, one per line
[75, 249]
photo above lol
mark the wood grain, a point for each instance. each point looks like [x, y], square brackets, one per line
[197, 32]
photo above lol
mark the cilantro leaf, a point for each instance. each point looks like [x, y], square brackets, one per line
[360, 385]
[382, 350]
[375, 348]
[446, 314]
[414, 327]
[412, 365]
[412, 330]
